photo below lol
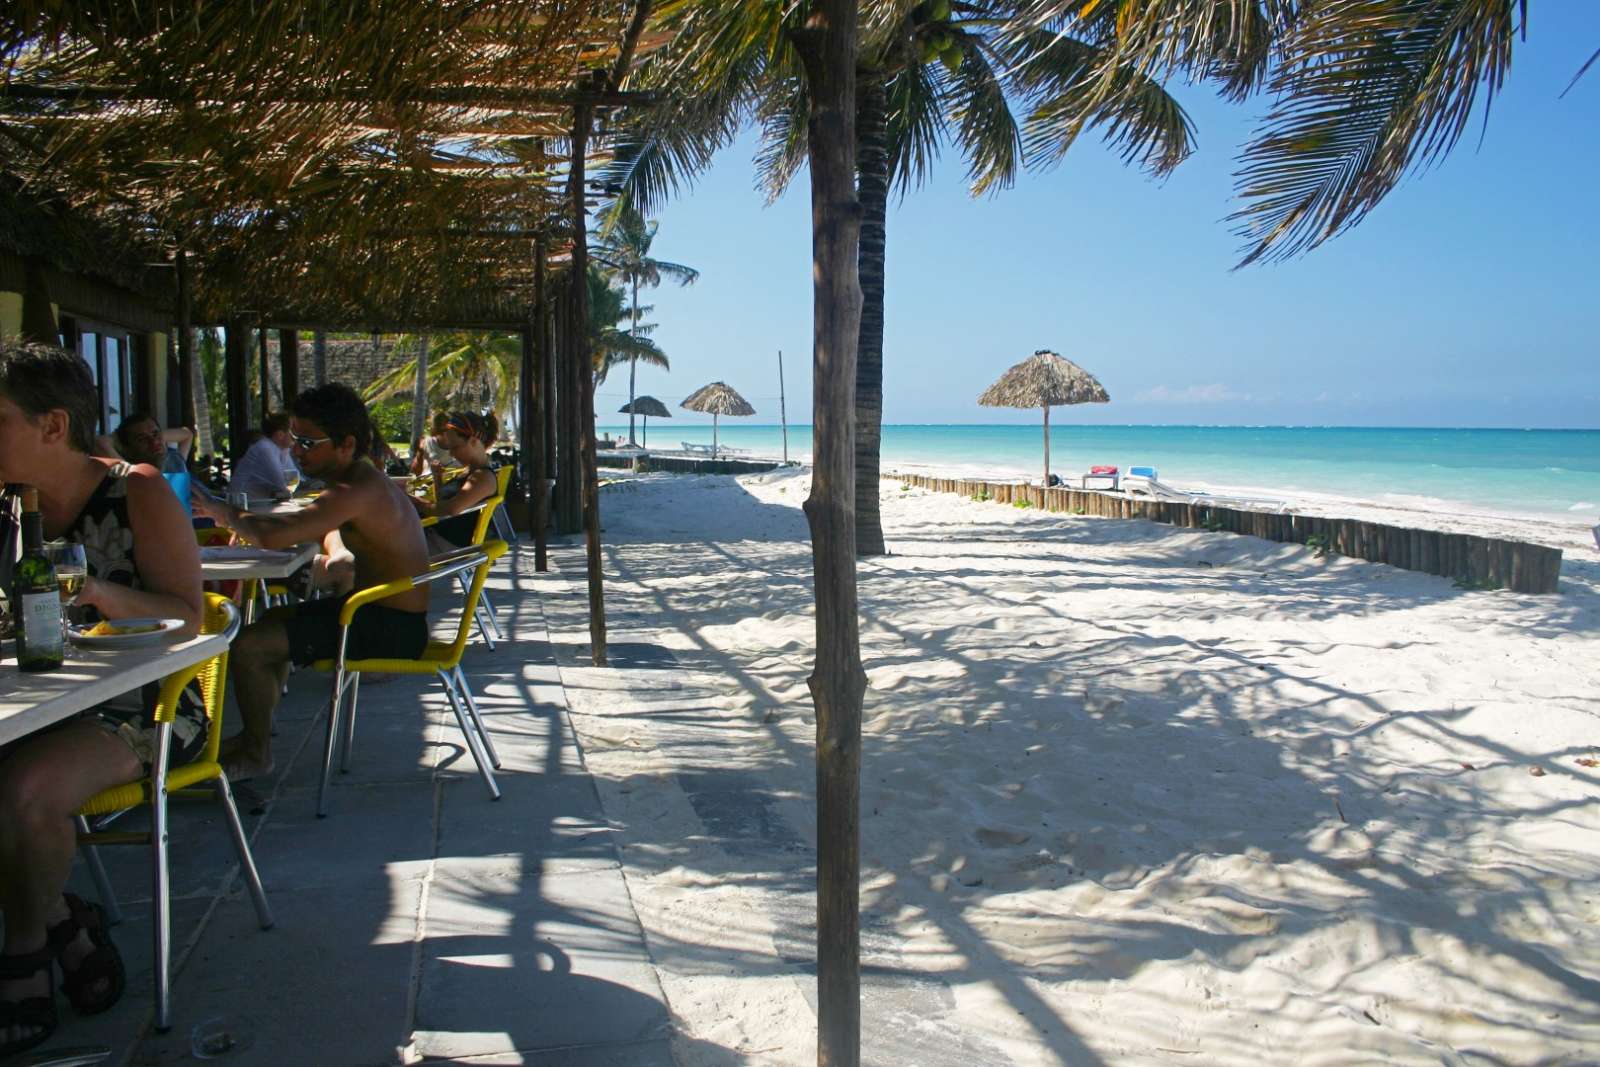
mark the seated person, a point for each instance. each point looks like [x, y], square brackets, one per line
[140, 439]
[263, 471]
[332, 436]
[143, 561]
[428, 455]
[468, 437]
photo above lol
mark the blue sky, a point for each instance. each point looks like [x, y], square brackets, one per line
[1468, 298]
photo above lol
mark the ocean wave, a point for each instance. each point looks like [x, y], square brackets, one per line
[1582, 505]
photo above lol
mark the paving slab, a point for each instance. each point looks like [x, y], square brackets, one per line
[420, 919]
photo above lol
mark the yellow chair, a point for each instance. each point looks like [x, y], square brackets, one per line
[485, 613]
[440, 658]
[221, 617]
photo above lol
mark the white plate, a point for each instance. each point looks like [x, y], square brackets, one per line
[167, 627]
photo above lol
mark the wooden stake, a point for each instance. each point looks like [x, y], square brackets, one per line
[783, 408]
[827, 47]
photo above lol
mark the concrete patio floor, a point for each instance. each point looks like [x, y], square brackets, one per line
[419, 921]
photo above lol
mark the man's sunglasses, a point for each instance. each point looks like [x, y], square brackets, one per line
[306, 444]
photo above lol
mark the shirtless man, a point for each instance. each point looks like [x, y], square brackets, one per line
[331, 435]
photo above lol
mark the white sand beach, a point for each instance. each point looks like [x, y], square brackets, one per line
[1130, 794]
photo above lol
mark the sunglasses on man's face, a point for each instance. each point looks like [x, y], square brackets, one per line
[306, 444]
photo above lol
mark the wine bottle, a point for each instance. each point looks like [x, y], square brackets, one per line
[36, 594]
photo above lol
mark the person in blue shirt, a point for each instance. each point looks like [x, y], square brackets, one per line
[140, 439]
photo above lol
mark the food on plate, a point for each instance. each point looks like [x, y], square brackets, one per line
[107, 628]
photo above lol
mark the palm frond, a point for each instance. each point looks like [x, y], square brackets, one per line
[1137, 117]
[988, 131]
[916, 125]
[783, 114]
[1369, 91]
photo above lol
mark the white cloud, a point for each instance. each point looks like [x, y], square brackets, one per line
[1215, 393]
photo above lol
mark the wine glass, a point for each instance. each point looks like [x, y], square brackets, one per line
[291, 479]
[72, 567]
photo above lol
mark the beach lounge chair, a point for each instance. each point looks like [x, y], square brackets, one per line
[1100, 477]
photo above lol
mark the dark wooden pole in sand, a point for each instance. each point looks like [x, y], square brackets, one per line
[536, 411]
[827, 47]
[582, 116]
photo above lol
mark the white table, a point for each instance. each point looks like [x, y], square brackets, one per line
[30, 702]
[242, 563]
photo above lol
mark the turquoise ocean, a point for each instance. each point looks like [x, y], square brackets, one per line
[1553, 474]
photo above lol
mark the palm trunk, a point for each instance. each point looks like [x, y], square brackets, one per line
[633, 361]
[872, 187]
[319, 358]
[419, 391]
[827, 46]
[202, 406]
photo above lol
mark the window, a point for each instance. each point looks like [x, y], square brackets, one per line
[107, 350]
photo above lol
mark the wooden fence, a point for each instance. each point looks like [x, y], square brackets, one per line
[1478, 562]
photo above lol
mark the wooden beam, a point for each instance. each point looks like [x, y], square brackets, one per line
[438, 95]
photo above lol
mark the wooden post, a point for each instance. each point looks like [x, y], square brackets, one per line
[264, 375]
[827, 48]
[582, 116]
[1046, 481]
[236, 369]
[783, 408]
[537, 435]
[289, 365]
[187, 414]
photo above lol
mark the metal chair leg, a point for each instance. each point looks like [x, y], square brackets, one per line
[477, 720]
[485, 625]
[241, 844]
[350, 724]
[333, 736]
[161, 884]
[487, 606]
[97, 870]
[474, 743]
[502, 526]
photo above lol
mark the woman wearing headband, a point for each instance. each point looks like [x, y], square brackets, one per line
[468, 436]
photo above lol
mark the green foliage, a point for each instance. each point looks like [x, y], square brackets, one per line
[473, 370]
[1320, 544]
[1022, 502]
[1475, 585]
[905, 488]
[392, 419]
[1211, 523]
[980, 497]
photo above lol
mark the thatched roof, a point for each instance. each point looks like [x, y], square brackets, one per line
[1044, 379]
[320, 166]
[646, 405]
[717, 399]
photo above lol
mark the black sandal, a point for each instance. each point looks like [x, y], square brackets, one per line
[33, 1012]
[101, 967]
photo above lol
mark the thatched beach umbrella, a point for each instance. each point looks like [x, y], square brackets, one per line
[718, 399]
[1040, 381]
[646, 406]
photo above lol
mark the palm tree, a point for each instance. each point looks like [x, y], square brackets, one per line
[624, 251]
[462, 370]
[609, 346]
[934, 72]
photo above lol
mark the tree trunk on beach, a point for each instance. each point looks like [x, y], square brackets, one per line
[827, 47]
[872, 186]
[633, 361]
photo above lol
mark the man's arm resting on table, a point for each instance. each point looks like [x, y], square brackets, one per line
[326, 513]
